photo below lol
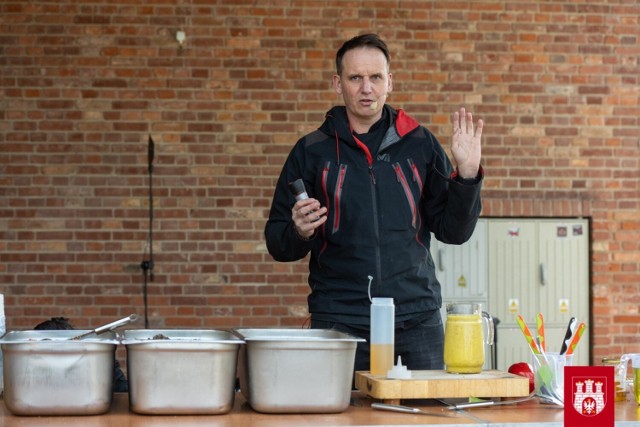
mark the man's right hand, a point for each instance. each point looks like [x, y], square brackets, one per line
[307, 215]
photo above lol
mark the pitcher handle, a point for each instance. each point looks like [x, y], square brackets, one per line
[621, 369]
[490, 330]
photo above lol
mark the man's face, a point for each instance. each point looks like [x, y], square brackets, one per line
[364, 84]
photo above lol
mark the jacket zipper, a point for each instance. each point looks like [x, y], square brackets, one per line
[325, 194]
[416, 174]
[418, 181]
[402, 179]
[337, 198]
[376, 231]
[376, 227]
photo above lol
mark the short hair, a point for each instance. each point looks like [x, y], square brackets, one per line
[54, 324]
[363, 40]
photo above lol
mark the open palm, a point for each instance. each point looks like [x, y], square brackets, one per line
[465, 143]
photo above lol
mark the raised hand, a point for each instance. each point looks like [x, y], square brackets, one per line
[465, 143]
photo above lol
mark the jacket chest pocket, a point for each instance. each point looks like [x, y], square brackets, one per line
[403, 181]
[332, 186]
[401, 199]
[354, 196]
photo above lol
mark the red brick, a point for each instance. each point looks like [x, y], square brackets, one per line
[84, 84]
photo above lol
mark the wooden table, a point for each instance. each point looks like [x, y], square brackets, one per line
[359, 413]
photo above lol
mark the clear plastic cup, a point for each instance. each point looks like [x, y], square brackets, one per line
[548, 371]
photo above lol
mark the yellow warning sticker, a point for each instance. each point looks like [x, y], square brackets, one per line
[514, 305]
[563, 305]
[462, 282]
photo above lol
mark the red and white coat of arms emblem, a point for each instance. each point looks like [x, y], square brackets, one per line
[589, 395]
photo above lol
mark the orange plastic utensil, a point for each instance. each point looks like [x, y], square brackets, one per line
[540, 327]
[527, 334]
[576, 338]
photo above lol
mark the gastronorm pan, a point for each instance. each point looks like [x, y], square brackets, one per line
[48, 373]
[181, 371]
[296, 370]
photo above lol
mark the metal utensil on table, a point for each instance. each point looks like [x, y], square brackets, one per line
[409, 410]
[108, 327]
[490, 403]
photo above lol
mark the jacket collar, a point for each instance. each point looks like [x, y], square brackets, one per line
[337, 124]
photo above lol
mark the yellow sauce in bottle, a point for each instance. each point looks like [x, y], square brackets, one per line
[381, 358]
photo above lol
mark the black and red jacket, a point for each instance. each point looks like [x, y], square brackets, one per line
[380, 214]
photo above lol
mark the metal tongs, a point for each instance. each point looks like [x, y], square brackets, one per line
[108, 327]
[410, 410]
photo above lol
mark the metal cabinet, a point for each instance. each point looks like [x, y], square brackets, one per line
[522, 266]
[462, 271]
[538, 266]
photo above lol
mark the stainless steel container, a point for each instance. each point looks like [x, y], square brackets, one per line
[48, 373]
[296, 370]
[181, 371]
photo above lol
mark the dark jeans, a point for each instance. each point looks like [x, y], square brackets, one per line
[420, 341]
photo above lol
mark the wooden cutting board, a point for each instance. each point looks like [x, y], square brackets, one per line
[440, 384]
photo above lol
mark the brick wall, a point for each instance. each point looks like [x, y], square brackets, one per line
[85, 82]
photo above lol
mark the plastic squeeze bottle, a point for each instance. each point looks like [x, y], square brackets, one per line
[382, 335]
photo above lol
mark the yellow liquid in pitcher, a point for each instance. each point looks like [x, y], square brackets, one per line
[463, 344]
[381, 357]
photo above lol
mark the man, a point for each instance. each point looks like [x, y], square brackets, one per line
[378, 184]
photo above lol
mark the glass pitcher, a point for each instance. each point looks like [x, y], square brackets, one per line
[463, 337]
[621, 372]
